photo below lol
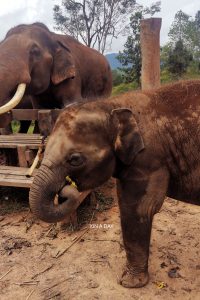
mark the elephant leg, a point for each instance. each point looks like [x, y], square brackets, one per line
[139, 199]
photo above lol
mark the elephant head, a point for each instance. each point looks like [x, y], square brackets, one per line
[33, 56]
[87, 145]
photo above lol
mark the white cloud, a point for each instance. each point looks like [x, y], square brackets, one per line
[17, 12]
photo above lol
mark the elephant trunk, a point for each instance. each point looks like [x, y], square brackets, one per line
[14, 75]
[46, 185]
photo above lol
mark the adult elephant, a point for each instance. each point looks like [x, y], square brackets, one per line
[53, 69]
[149, 141]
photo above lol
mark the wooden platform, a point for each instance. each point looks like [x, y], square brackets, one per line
[15, 176]
[20, 149]
[31, 141]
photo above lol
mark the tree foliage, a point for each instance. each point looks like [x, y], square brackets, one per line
[117, 77]
[180, 28]
[130, 57]
[94, 22]
[179, 59]
[186, 29]
[184, 44]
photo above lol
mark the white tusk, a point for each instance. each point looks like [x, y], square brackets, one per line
[15, 99]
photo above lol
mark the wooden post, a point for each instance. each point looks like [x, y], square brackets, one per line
[45, 122]
[21, 151]
[150, 47]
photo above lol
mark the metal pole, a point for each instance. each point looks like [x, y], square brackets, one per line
[150, 47]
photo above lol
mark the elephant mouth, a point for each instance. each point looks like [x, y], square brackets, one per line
[62, 194]
[75, 183]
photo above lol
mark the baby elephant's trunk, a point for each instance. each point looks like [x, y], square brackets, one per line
[46, 185]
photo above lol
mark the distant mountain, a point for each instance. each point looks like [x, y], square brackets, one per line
[113, 61]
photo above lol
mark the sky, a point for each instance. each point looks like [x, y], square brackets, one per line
[14, 12]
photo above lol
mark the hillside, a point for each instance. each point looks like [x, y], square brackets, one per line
[113, 61]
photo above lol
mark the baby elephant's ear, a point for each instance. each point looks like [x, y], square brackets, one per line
[128, 141]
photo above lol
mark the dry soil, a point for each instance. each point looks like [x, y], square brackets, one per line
[36, 263]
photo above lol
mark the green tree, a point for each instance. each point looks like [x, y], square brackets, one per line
[117, 77]
[187, 30]
[180, 28]
[197, 20]
[94, 22]
[179, 59]
[197, 39]
[130, 57]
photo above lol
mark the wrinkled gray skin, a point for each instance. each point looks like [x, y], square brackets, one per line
[148, 140]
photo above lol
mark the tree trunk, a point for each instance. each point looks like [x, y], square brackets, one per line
[150, 47]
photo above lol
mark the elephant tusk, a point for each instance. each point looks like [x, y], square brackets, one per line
[15, 99]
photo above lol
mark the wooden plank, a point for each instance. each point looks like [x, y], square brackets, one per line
[15, 136]
[32, 141]
[21, 135]
[13, 170]
[13, 146]
[21, 141]
[24, 114]
[32, 114]
[14, 176]
[17, 182]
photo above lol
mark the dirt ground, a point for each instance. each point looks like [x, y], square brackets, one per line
[38, 261]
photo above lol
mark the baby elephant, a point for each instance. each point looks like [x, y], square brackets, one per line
[148, 140]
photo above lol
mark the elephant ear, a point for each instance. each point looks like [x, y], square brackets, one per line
[128, 141]
[63, 65]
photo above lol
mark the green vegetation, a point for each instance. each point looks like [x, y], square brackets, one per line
[130, 57]
[180, 57]
[117, 77]
[124, 87]
[15, 125]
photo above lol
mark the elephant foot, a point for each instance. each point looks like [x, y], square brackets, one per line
[130, 279]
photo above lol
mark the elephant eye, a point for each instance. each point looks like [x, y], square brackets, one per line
[35, 51]
[76, 159]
